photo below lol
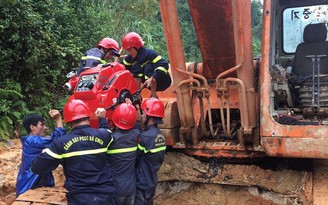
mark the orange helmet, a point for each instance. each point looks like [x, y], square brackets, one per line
[125, 116]
[74, 110]
[108, 43]
[153, 107]
[132, 39]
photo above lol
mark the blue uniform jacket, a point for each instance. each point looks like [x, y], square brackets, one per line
[90, 59]
[32, 146]
[151, 152]
[148, 64]
[122, 158]
[83, 155]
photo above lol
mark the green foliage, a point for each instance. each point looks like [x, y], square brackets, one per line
[11, 107]
[35, 39]
[99, 18]
[37, 49]
[256, 10]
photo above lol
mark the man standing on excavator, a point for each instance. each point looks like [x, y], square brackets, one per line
[105, 50]
[145, 64]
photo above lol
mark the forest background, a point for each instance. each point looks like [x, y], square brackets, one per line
[43, 40]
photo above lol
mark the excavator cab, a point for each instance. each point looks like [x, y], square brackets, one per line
[300, 82]
[293, 79]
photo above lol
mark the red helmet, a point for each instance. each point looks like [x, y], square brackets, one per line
[132, 39]
[125, 116]
[74, 110]
[108, 43]
[153, 107]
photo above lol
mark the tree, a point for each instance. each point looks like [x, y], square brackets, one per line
[256, 9]
[41, 40]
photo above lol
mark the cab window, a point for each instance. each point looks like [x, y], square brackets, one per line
[294, 21]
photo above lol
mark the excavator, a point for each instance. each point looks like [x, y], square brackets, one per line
[235, 106]
[231, 105]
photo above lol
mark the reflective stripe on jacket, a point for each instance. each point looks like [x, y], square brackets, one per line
[122, 155]
[90, 59]
[146, 56]
[83, 155]
[151, 152]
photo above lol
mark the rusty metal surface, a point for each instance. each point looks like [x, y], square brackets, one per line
[220, 149]
[306, 147]
[214, 30]
[170, 128]
[173, 39]
[223, 30]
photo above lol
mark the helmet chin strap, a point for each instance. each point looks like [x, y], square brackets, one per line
[147, 121]
[105, 50]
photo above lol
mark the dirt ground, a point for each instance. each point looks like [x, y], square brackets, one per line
[187, 181]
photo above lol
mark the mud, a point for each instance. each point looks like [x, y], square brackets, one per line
[213, 184]
[187, 180]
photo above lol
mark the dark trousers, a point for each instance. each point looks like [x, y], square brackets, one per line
[91, 199]
[163, 79]
[128, 200]
[144, 197]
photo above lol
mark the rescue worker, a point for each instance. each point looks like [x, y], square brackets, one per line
[105, 50]
[83, 155]
[151, 151]
[123, 152]
[146, 65]
[32, 146]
